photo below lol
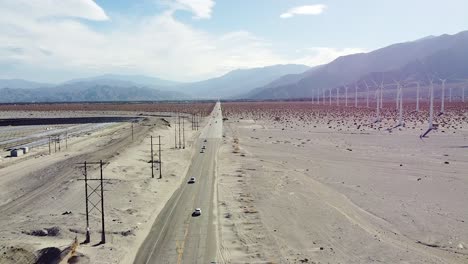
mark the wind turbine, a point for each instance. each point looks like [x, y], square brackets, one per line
[380, 89]
[442, 105]
[450, 94]
[323, 96]
[400, 104]
[367, 97]
[397, 99]
[431, 110]
[346, 95]
[463, 94]
[381, 94]
[417, 97]
[338, 96]
[377, 101]
[355, 95]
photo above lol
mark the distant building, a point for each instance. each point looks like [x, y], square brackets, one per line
[16, 152]
[25, 149]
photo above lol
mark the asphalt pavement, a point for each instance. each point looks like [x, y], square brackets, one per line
[176, 236]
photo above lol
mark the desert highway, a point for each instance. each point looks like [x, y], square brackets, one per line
[176, 236]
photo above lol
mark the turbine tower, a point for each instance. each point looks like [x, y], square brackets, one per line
[346, 95]
[377, 101]
[337, 96]
[367, 96]
[417, 97]
[323, 96]
[442, 105]
[463, 94]
[431, 109]
[400, 104]
[381, 94]
[450, 94]
[355, 95]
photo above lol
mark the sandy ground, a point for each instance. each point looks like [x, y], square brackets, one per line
[37, 191]
[325, 191]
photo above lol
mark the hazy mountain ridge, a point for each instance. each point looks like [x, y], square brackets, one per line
[352, 68]
[88, 93]
[118, 79]
[21, 84]
[238, 82]
[139, 87]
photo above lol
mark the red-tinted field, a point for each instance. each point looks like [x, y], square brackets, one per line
[189, 108]
[342, 117]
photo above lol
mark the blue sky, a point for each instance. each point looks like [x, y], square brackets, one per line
[195, 39]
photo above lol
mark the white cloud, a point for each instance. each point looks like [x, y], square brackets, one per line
[304, 10]
[86, 9]
[322, 55]
[200, 8]
[35, 48]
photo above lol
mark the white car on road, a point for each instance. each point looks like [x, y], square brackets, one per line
[197, 212]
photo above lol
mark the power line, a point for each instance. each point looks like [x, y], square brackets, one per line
[96, 191]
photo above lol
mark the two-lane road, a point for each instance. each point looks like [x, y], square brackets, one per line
[176, 236]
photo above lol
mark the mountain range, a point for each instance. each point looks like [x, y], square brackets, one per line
[433, 57]
[112, 87]
[440, 57]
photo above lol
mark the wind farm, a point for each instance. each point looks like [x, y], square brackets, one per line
[150, 132]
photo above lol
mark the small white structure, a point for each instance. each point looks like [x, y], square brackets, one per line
[16, 152]
[25, 149]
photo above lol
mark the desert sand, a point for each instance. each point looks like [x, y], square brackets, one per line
[312, 186]
[44, 192]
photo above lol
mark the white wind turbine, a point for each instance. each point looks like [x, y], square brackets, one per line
[450, 94]
[355, 95]
[463, 94]
[338, 96]
[367, 97]
[431, 109]
[323, 96]
[442, 104]
[381, 94]
[417, 96]
[346, 95]
[380, 89]
[400, 104]
[377, 101]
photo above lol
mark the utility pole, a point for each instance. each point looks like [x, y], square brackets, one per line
[94, 205]
[103, 234]
[132, 131]
[175, 132]
[159, 157]
[183, 131]
[49, 146]
[88, 237]
[152, 158]
[180, 142]
[329, 95]
[66, 139]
